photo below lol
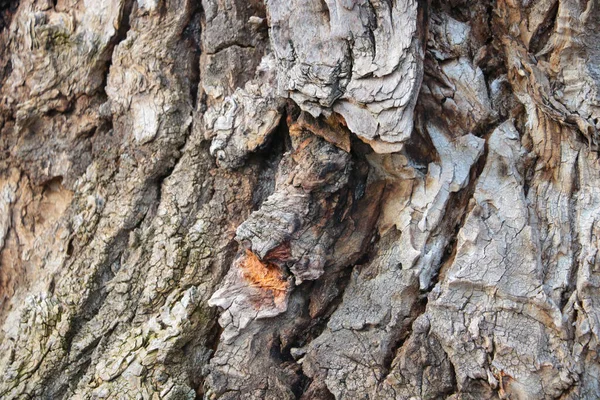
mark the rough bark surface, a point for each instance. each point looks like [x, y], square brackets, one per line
[299, 199]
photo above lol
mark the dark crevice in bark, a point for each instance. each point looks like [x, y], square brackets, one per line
[5, 72]
[304, 333]
[530, 161]
[404, 332]
[459, 205]
[420, 148]
[192, 34]
[325, 11]
[160, 179]
[57, 385]
[575, 245]
[298, 381]
[457, 9]
[83, 365]
[205, 194]
[78, 368]
[541, 37]
[206, 345]
[454, 389]
[225, 46]
[268, 158]
[211, 343]
[8, 8]
[318, 323]
[302, 384]
[124, 27]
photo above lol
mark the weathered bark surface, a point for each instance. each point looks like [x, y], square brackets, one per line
[314, 199]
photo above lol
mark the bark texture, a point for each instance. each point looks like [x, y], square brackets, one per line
[299, 199]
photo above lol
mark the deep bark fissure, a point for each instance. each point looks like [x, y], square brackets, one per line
[542, 35]
[120, 36]
[7, 10]
[575, 245]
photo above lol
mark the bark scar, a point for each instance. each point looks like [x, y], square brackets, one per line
[264, 275]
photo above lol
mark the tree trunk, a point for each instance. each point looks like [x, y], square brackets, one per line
[299, 199]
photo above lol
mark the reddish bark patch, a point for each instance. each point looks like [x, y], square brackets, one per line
[264, 275]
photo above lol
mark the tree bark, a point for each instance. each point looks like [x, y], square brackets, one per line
[299, 199]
